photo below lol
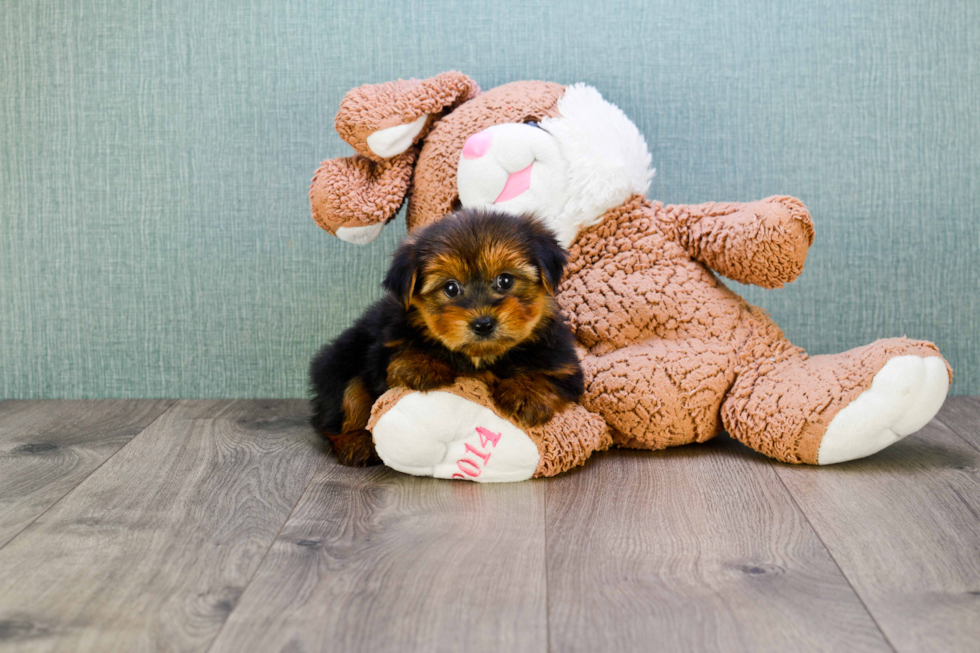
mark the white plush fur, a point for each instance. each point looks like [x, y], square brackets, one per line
[904, 395]
[607, 157]
[514, 147]
[360, 235]
[586, 161]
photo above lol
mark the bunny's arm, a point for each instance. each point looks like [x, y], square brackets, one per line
[763, 243]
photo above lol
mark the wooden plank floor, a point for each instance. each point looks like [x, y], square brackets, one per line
[225, 526]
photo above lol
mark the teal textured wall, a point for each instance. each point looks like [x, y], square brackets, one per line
[155, 237]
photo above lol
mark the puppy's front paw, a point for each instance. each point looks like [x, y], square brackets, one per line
[416, 371]
[355, 449]
[526, 400]
[430, 381]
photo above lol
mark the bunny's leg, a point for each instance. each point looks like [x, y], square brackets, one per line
[456, 433]
[834, 408]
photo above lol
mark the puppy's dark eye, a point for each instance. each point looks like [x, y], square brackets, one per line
[451, 288]
[504, 281]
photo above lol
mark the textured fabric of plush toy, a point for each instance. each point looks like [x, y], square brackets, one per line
[380, 106]
[357, 192]
[671, 356]
[676, 356]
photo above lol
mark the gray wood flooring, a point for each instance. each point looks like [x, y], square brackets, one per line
[225, 526]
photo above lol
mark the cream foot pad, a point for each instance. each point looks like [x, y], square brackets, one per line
[904, 396]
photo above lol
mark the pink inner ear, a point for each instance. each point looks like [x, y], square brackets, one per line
[517, 183]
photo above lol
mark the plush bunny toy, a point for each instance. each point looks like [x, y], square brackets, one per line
[671, 356]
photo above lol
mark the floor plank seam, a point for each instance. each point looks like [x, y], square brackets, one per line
[547, 585]
[173, 402]
[265, 555]
[772, 466]
[955, 431]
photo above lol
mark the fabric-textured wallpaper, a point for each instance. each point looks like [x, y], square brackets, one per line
[155, 238]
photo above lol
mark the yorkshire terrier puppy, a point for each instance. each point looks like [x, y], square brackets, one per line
[470, 295]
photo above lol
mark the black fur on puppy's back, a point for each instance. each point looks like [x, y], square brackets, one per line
[358, 351]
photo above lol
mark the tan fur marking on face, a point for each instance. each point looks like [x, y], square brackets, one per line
[445, 266]
[452, 325]
[517, 318]
[498, 257]
[433, 282]
[449, 324]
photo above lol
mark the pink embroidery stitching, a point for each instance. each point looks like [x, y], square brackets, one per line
[476, 470]
[487, 435]
[473, 469]
[482, 454]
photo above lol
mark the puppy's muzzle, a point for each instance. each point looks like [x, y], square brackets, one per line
[483, 326]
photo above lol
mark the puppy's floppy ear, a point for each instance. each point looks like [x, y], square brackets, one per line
[403, 275]
[548, 255]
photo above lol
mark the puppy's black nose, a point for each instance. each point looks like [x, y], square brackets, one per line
[483, 326]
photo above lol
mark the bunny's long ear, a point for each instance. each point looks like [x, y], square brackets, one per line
[353, 197]
[383, 120]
